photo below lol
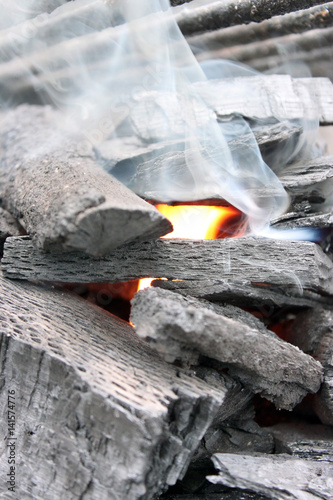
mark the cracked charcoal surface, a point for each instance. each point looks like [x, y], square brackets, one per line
[67, 202]
[249, 260]
[93, 401]
[182, 328]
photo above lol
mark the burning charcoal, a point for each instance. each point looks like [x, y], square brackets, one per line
[97, 411]
[173, 324]
[248, 260]
[309, 441]
[67, 202]
[312, 331]
[227, 13]
[8, 227]
[267, 298]
[297, 22]
[126, 157]
[277, 476]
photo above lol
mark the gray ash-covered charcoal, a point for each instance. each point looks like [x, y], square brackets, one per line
[65, 199]
[98, 413]
[282, 263]
[184, 328]
[280, 477]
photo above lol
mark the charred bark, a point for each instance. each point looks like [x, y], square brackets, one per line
[318, 17]
[277, 476]
[229, 13]
[97, 411]
[66, 201]
[177, 326]
[248, 260]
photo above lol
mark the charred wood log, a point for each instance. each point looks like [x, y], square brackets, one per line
[66, 201]
[232, 259]
[125, 157]
[228, 13]
[265, 298]
[273, 98]
[93, 399]
[277, 476]
[175, 325]
[312, 331]
[297, 43]
[307, 175]
[287, 264]
[318, 17]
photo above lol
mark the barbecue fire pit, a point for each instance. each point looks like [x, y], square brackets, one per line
[166, 281]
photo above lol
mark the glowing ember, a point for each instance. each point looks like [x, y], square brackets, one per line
[196, 222]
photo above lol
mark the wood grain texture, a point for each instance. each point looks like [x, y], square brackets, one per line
[98, 413]
[320, 16]
[243, 294]
[280, 477]
[288, 264]
[66, 200]
[222, 14]
[175, 325]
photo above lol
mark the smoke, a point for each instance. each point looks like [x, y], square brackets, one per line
[121, 70]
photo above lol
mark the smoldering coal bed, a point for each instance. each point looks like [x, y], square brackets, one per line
[216, 381]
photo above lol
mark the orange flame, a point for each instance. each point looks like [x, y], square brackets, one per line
[196, 222]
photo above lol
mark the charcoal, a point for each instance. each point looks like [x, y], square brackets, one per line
[286, 264]
[299, 178]
[129, 158]
[280, 477]
[266, 298]
[96, 410]
[320, 16]
[305, 42]
[66, 201]
[273, 98]
[174, 325]
[223, 14]
[312, 331]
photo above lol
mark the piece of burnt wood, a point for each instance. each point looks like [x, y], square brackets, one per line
[173, 325]
[313, 39]
[280, 477]
[296, 220]
[295, 264]
[317, 61]
[312, 331]
[125, 157]
[96, 409]
[266, 298]
[320, 16]
[303, 440]
[222, 14]
[273, 98]
[299, 177]
[65, 199]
